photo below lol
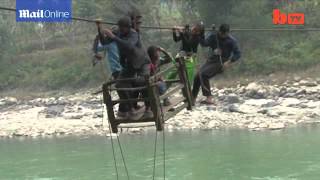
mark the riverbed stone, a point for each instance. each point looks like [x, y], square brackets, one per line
[53, 111]
[9, 101]
[213, 124]
[291, 102]
[232, 98]
[308, 83]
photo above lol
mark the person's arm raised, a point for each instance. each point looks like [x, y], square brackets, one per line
[129, 43]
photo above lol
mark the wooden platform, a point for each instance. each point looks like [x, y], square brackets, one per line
[179, 96]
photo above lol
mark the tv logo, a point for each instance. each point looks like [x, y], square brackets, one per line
[43, 10]
[290, 18]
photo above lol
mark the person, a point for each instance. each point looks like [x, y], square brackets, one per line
[111, 55]
[224, 51]
[136, 19]
[190, 40]
[156, 62]
[134, 61]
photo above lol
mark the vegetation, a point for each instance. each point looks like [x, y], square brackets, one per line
[54, 56]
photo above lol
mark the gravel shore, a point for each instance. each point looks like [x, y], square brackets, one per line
[255, 106]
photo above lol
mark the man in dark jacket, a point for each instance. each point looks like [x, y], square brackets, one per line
[133, 58]
[190, 39]
[224, 50]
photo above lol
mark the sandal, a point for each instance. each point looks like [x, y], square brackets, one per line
[205, 102]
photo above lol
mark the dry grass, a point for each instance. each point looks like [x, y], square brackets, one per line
[221, 81]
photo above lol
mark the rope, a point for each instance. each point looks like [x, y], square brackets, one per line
[112, 144]
[170, 28]
[123, 159]
[109, 125]
[110, 133]
[163, 144]
[155, 155]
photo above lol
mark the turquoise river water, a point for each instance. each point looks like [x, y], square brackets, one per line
[292, 153]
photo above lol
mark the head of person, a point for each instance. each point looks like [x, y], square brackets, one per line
[197, 29]
[124, 25]
[136, 18]
[154, 54]
[224, 31]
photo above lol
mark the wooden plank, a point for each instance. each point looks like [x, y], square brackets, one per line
[169, 115]
[129, 89]
[127, 121]
[128, 100]
[187, 88]
[174, 102]
[107, 100]
[109, 83]
[135, 125]
[172, 91]
[172, 81]
[162, 72]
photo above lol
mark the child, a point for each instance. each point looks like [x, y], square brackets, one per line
[156, 62]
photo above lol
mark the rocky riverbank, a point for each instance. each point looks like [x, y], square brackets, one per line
[255, 106]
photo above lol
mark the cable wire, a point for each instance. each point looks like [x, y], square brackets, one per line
[284, 29]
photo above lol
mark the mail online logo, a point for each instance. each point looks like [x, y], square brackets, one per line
[43, 10]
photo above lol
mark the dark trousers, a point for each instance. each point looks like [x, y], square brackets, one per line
[140, 75]
[202, 78]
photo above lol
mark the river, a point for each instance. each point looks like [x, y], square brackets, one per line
[292, 153]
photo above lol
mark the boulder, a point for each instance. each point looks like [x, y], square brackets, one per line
[297, 79]
[9, 101]
[308, 83]
[234, 108]
[276, 126]
[291, 102]
[232, 99]
[213, 124]
[53, 111]
[253, 126]
[98, 114]
[260, 102]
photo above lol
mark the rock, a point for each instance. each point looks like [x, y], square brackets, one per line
[9, 101]
[253, 126]
[3, 134]
[300, 92]
[178, 123]
[272, 113]
[270, 104]
[62, 101]
[252, 89]
[308, 83]
[213, 124]
[98, 114]
[74, 116]
[53, 111]
[259, 102]
[51, 101]
[234, 108]
[276, 126]
[232, 98]
[291, 102]
[297, 78]
[135, 130]
[263, 125]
